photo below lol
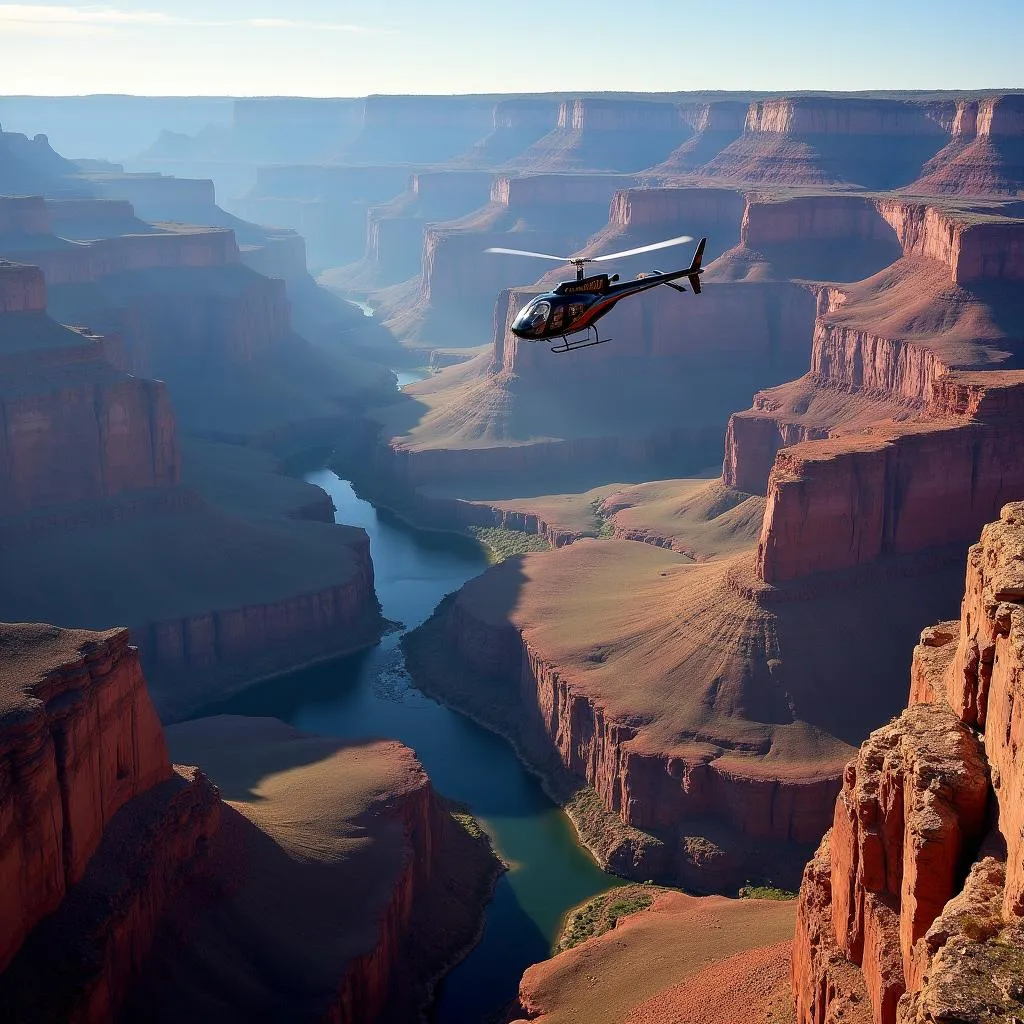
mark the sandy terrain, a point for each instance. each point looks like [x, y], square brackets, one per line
[634, 970]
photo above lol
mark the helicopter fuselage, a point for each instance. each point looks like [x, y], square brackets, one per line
[576, 306]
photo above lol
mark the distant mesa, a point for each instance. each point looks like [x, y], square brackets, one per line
[606, 135]
[986, 154]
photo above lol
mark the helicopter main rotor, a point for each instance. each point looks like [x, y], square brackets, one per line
[580, 261]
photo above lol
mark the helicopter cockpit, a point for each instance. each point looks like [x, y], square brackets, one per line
[532, 319]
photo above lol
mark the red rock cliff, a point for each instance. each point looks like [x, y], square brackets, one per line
[74, 428]
[840, 503]
[98, 832]
[903, 886]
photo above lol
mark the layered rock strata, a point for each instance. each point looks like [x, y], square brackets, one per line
[906, 886]
[94, 511]
[876, 144]
[74, 427]
[693, 710]
[986, 154]
[100, 833]
[132, 890]
[607, 135]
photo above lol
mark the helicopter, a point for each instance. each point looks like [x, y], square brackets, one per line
[576, 306]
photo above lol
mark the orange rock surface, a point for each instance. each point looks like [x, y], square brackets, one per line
[907, 886]
[686, 959]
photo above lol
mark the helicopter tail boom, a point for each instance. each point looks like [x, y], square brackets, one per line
[693, 274]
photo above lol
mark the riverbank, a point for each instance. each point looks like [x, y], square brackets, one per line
[371, 694]
[614, 845]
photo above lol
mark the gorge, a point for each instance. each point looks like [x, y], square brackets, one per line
[323, 649]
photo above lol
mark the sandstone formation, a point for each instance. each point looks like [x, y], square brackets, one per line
[920, 358]
[131, 890]
[100, 832]
[660, 966]
[906, 886]
[714, 126]
[74, 427]
[518, 124]
[179, 296]
[336, 862]
[986, 154]
[875, 144]
[684, 695]
[395, 230]
[606, 135]
[95, 511]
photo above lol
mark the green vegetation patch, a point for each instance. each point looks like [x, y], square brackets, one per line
[766, 892]
[605, 526]
[601, 913]
[502, 543]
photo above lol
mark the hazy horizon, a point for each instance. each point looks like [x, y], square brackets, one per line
[316, 48]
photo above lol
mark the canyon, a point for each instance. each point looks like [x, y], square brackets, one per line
[97, 509]
[672, 671]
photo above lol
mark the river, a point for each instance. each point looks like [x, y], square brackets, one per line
[370, 694]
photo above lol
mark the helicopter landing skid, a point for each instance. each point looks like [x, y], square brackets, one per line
[592, 338]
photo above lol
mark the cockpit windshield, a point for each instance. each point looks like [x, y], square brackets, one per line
[533, 318]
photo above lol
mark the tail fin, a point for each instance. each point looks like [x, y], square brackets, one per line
[693, 274]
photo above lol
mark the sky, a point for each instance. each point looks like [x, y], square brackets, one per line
[325, 48]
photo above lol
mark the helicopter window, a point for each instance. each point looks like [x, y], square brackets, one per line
[534, 317]
[576, 310]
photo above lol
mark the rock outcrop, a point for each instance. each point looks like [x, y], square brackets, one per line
[131, 889]
[875, 144]
[394, 230]
[986, 154]
[607, 135]
[518, 124]
[99, 833]
[74, 427]
[906, 886]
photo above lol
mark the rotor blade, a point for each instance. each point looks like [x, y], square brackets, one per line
[643, 248]
[523, 252]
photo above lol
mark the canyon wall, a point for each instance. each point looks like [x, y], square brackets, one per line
[876, 144]
[985, 156]
[918, 884]
[74, 427]
[594, 134]
[835, 504]
[99, 831]
[394, 230]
